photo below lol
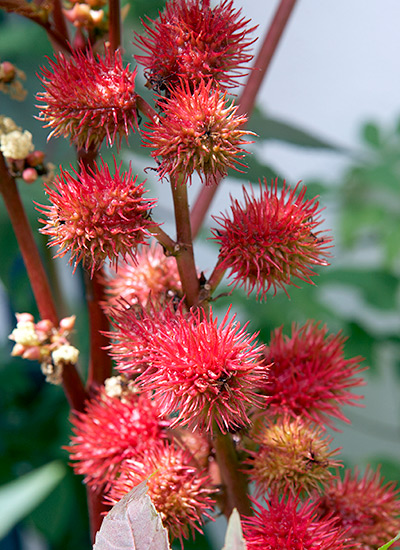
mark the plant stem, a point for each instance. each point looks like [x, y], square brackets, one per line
[96, 508]
[164, 239]
[248, 97]
[72, 382]
[37, 275]
[265, 55]
[233, 479]
[100, 362]
[114, 15]
[145, 108]
[184, 247]
[59, 20]
[215, 278]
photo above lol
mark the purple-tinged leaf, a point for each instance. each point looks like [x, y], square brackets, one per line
[133, 524]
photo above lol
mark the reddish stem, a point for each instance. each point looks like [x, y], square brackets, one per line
[100, 366]
[145, 108]
[215, 278]
[29, 251]
[114, 15]
[72, 382]
[233, 479]
[96, 508]
[184, 248]
[164, 239]
[248, 97]
[100, 362]
[59, 20]
[58, 40]
[265, 55]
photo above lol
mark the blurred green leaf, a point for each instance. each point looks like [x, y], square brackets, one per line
[62, 518]
[377, 286]
[389, 468]
[18, 498]
[371, 134]
[360, 343]
[269, 128]
[256, 170]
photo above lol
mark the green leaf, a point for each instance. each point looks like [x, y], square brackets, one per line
[377, 286]
[371, 134]
[256, 170]
[234, 539]
[18, 498]
[386, 546]
[273, 129]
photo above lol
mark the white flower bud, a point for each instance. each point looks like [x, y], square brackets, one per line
[114, 386]
[16, 144]
[25, 334]
[65, 354]
[7, 125]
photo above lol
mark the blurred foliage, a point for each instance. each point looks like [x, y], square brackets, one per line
[23, 495]
[34, 416]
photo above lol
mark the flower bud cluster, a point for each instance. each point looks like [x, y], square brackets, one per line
[23, 160]
[87, 15]
[10, 81]
[45, 343]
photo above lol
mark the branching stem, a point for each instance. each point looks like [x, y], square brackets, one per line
[247, 99]
[184, 246]
[234, 480]
[114, 24]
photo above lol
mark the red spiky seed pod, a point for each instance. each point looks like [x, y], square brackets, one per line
[153, 276]
[197, 132]
[206, 374]
[180, 492]
[193, 41]
[293, 455]
[309, 375]
[88, 97]
[111, 430]
[96, 215]
[286, 523]
[365, 506]
[131, 345]
[268, 241]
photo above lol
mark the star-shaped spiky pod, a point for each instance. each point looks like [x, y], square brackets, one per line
[96, 215]
[292, 454]
[207, 374]
[111, 430]
[89, 97]
[366, 506]
[309, 375]
[268, 241]
[193, 41]
[151, 276]
[197, 131]
[286, 523]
